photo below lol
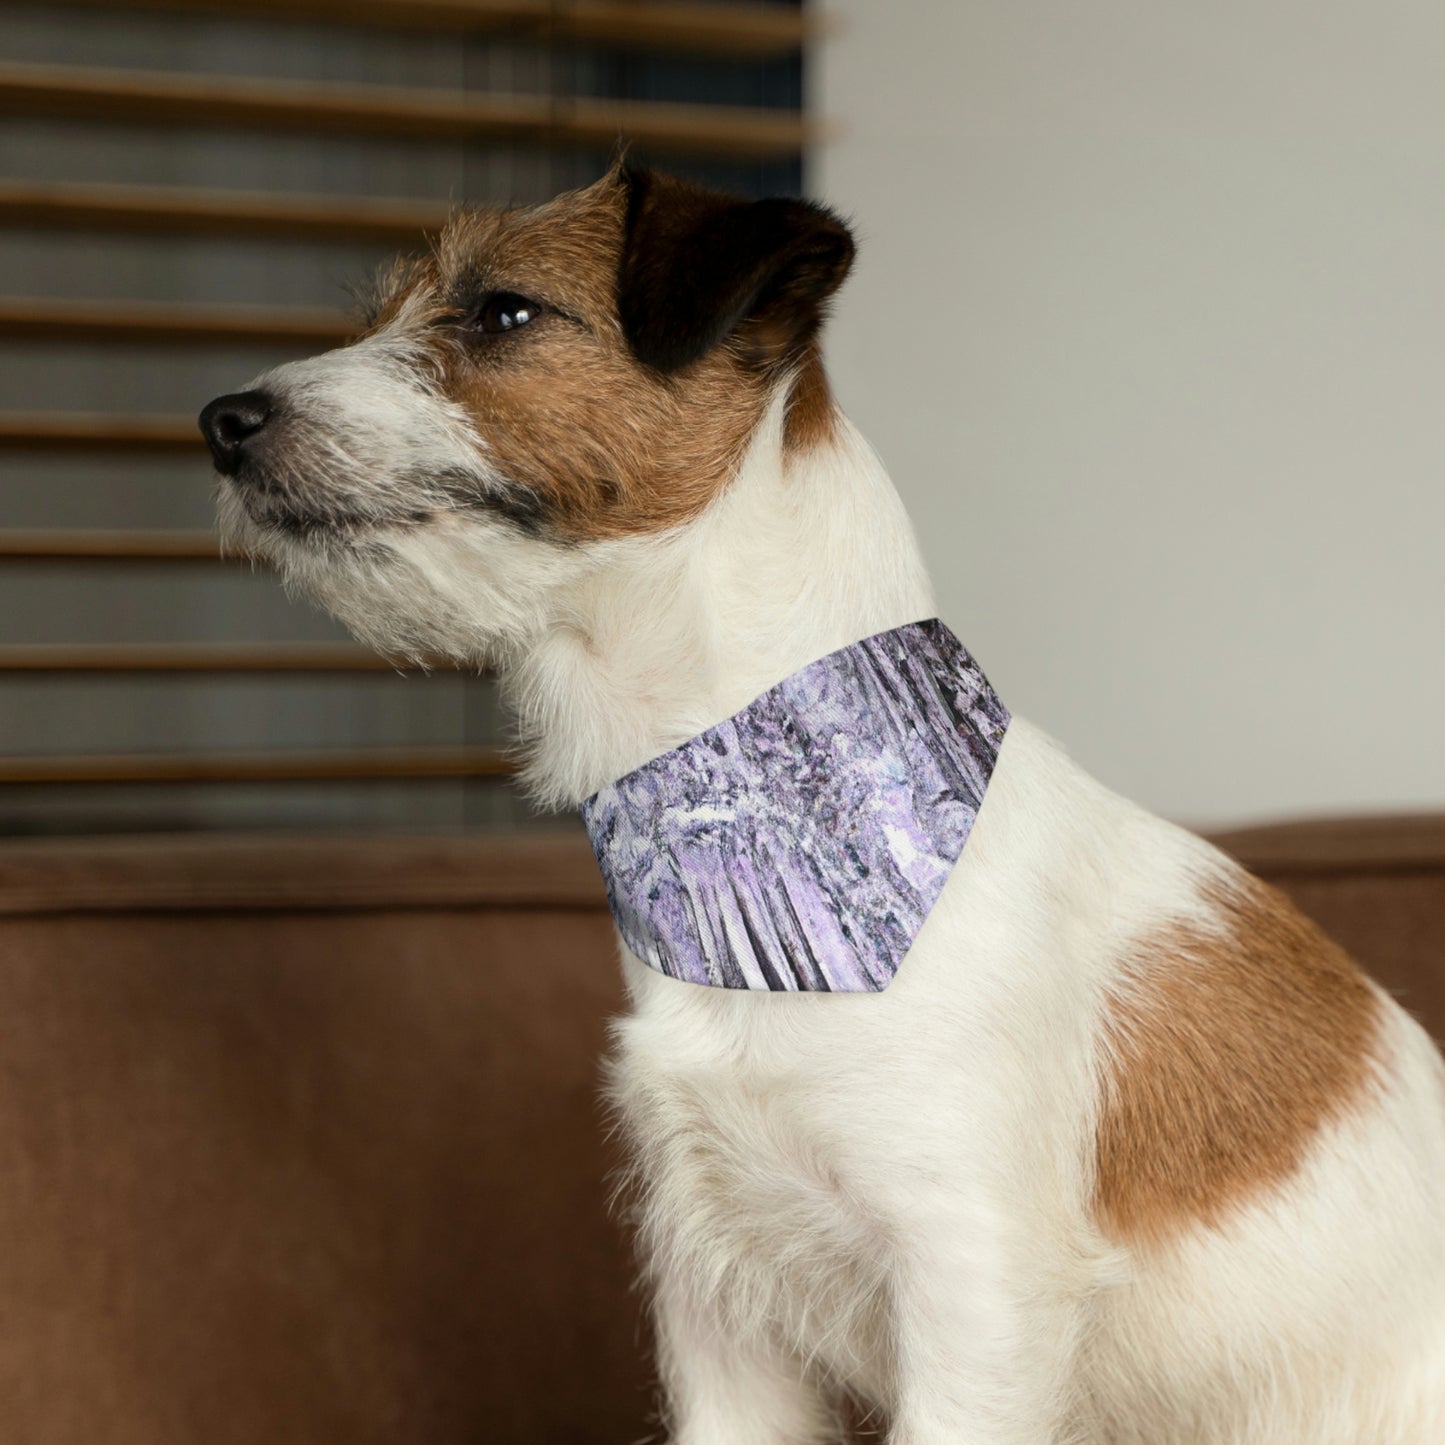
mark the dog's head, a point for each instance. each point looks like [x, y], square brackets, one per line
[546, 382]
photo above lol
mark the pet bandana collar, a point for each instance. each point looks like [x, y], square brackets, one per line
[800, 845]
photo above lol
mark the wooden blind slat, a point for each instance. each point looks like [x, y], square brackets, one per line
[93, 431]
[360, 764]
[705, 29]
[175, 211]
[181, 657]
[108, 546]
[159, 98]
[168, 323]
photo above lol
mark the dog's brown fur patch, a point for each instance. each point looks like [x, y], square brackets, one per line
[1227, 1051]
[604, 445]
[812, 416]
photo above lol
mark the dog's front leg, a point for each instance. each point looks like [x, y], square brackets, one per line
[724, 1387]
[985, 1350]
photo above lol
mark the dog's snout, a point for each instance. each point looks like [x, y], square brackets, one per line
[229, 422]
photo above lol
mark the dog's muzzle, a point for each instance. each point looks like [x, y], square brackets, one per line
[231, 424]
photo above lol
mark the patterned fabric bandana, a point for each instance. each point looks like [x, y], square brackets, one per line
[799, 845]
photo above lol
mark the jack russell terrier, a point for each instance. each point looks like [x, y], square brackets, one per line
[955, 1085]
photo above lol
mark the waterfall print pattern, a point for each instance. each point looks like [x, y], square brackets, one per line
[800, 845]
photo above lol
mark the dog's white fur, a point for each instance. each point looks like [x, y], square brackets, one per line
[891, 1193]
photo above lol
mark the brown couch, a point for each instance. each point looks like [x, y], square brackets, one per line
[299, 1141]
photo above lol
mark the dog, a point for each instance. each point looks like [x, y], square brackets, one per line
[1128, 1153]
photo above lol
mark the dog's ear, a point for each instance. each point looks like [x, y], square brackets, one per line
[699, 267]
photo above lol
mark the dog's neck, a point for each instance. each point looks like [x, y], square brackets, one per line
[804, 553]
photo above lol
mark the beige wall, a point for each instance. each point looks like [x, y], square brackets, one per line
[1149, 324]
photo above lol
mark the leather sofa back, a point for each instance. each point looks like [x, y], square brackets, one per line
[300, 1138]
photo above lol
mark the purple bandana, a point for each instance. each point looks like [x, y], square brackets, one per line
[799, 845]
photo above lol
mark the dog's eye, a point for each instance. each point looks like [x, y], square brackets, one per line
[506, 311]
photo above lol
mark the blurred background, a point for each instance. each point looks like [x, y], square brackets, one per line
[301, 1005]
[1148, 325]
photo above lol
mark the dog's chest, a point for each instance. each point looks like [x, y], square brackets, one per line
[749, 1183]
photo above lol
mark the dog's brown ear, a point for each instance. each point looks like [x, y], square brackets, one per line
[699, 267]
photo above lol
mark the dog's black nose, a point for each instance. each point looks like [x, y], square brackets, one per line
[229, 422]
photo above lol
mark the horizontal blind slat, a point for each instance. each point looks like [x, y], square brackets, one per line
[352, 765]
[745, 31]
[197, 212]
[314, 107]
[184, 657]
[171, 323]
[98, 431]
[110, 546]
